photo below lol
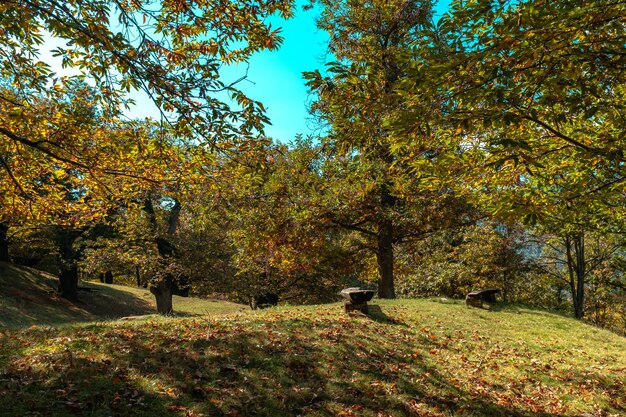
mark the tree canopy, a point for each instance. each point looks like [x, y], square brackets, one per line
[480, 148]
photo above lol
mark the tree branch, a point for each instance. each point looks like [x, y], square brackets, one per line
[7, 168]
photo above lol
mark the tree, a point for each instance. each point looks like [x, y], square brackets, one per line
[45, 190]
[170, 50]
[371, 191]
[542, 83]
[56, 126]
[258, 233]
[168, 274]
[536, 90]
[581, 261]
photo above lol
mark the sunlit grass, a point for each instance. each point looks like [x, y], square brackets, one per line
[412, 357]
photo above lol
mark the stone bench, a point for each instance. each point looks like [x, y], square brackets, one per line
[356, 299]
[476, 298]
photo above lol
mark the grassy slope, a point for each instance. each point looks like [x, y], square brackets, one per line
[27, 297]
[414, 357]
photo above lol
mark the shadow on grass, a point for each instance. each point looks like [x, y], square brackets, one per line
[376, 313]
[280, 368]
[38, 306]
[107, 302]
[506, 307]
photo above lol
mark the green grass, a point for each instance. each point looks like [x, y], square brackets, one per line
[410, 357]
[28, 297]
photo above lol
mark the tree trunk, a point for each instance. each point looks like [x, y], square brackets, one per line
[163, 296]
[137, 276]
[68, 274]
[385, 240]
[575, 252]
[4, 242]
[579, 242]
[164, 289]
[384, 258]
[506, 279]
[68, 281]
[252, 302]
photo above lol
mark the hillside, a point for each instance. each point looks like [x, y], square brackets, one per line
[27, 297]
[411, 357]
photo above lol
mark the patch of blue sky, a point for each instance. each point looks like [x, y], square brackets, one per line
[277, 75]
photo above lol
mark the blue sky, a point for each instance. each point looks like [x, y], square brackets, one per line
[277, 75]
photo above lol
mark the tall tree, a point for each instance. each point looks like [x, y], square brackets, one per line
[537, 88]
[371, 190]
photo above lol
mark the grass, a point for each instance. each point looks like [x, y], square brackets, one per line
[28, 297]
[409, 357]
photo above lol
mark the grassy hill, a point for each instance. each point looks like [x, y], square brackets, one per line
[28, 296]
[409, 358]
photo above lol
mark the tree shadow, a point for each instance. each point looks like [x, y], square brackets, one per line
[108, 302]
[35, 306]
[303, 367]
[376, 314]
[506, 307]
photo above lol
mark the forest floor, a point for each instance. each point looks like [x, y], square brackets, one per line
[28, 297]
[408, 358]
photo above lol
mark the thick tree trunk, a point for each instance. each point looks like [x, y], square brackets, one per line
[163, 296]
[68, 270]
[68, 282]
[384, 257]
[385, 241]
[164, 289]
[4, 242]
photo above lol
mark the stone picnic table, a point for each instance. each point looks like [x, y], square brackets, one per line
[356, 299]
[476, 298]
